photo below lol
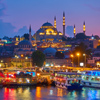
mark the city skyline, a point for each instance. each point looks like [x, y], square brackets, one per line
[16, 16]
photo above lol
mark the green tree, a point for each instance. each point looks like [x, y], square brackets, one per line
[38, 58]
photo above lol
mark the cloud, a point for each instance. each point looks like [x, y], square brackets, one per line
[7, 29]
[23, 30]
[2, 8]
[69, 31]
[92, 7]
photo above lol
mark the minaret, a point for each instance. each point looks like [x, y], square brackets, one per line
[74, 31]
[84, 27]
[30, 33]
[55, 22]
[64, 23]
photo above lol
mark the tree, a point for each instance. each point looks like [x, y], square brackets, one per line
[80, 36]
[96, 37]
[26, 36]
[82, 49]
[38, 58]
[64, 39]
[59, 55]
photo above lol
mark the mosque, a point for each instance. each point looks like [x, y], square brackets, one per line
[47, 35]
[48, 32]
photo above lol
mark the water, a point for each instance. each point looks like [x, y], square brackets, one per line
[48, 93]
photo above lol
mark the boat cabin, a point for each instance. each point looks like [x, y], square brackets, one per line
[68, 77]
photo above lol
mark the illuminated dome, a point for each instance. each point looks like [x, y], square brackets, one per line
[25, 44]
[50, 51]
[47, 24]
[48, 32]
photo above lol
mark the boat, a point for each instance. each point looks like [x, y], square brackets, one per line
[21, 79]
[1, 78]
[68, 80]
[91, 78]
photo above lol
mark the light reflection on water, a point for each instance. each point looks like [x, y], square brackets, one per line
[48, 93]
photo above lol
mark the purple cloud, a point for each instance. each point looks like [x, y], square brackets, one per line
[2, 8]
[7, 29]
[92, 7]
[23, 30]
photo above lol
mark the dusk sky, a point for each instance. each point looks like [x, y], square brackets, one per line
[17, 15]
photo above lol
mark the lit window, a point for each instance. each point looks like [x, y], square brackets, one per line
[60, 33]
[54, 33]
[47, 33]
[41, 33]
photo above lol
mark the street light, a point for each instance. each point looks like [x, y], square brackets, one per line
[26, 57]
[78, 58]
[72, 58]
[84, 60]
[1, 63]
[16, 59]
[26, 60]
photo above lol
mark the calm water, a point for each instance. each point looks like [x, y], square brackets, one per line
[48, 93]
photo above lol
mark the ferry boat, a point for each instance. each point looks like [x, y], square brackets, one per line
[91, 78]
[21, 79]
[68, 80]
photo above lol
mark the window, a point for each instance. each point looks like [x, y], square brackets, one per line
[68, 81]
[89, 83]
[41, 33]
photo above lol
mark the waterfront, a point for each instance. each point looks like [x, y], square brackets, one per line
[48, 93]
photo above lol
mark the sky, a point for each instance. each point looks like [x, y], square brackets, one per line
[17, 15]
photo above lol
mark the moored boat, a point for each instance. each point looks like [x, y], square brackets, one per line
[91, 78]
[68, 80]
[20, 79]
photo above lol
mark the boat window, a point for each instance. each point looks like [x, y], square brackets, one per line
[64, 75]
[89, 83]
[93, 79]
[72, 81]
[69, 76]
[58, 74]
[79, 81]
[78, 76]
[84, 77]
[87, 78]
[97, 79]
[68, 81]
[63, 81]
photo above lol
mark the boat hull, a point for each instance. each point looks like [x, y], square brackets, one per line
[16, 84]
[61, 86]
[75, 87]
[71, 87]
[91, 84]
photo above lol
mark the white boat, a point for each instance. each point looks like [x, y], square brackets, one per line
[68, 80]
[91, 78]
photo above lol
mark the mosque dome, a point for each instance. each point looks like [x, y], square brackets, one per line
[47, 24]
[25, 44]
[50, 51]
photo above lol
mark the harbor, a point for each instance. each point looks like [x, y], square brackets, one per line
[69, 79]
